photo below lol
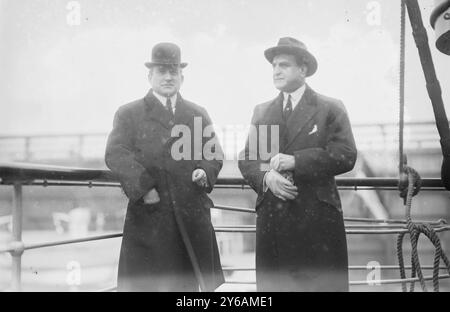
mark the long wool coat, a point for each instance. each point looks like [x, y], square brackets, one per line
[171, 245]
[300, 243]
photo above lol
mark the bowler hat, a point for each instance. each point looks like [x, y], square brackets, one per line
[166, 53]
[288, 45]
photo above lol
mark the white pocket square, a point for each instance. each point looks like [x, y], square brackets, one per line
[314, 130]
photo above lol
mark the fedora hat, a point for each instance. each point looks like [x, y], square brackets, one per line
[166, 53]
[288, 45]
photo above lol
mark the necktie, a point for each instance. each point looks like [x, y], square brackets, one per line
[288, 109]
[169, 108]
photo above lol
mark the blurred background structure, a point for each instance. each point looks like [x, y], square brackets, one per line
[68, 65]
[67, 212]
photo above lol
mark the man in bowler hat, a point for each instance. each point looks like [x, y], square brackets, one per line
[300, 233]
[169, 243]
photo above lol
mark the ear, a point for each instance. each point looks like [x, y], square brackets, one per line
[304, 69]
[150, 74]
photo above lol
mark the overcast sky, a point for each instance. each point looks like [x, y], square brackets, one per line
[61, 74]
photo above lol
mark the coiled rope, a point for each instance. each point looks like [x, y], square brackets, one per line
[414, 230]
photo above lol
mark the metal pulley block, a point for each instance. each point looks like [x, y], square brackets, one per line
[440, 21]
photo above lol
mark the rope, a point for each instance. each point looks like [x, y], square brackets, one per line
[401, 160]
[414, 230]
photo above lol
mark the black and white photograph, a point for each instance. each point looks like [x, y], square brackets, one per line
[236, 147]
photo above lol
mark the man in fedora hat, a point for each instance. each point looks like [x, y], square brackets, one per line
[168, 243]
[300, 234]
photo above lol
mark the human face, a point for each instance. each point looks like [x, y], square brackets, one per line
[165, 80]
[288, 76]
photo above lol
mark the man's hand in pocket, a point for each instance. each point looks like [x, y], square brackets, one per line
[152, 197]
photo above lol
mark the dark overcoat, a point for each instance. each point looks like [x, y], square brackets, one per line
[300, 243]
[171, 245]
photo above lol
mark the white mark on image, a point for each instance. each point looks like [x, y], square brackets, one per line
[373, 13]
[374, 276]
[73, 17]
[73, 277]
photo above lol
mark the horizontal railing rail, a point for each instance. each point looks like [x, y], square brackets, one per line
[19, 247]
[24, 173]
[351, 232]
[361, 283]
[371, 282]
[351, 283]
[350, 267]
[221, 183]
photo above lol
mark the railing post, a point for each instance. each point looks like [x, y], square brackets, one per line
[17, 243]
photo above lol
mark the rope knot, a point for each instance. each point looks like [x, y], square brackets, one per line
[406, 176]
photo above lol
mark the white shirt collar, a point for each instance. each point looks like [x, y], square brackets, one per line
[296, 96]
[163, 99]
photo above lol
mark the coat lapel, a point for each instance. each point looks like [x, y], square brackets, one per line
[274, 116]
[183, 115]
[302, 114]
[157, 112]
[274, 113]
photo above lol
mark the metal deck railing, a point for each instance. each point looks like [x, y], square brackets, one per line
[17, 175]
